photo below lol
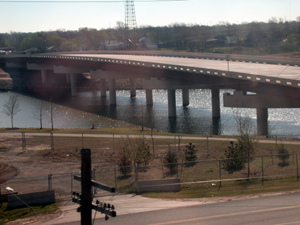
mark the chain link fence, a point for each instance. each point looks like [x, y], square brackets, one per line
[208, 169]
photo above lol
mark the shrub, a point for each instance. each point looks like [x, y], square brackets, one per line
[234, 161]
[283, 155]
[190, 155]
[171, 160]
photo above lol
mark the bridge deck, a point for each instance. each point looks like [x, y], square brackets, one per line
[267, 70]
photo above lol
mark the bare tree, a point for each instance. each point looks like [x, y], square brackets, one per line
[38, 111]
[247, 140]
[51, 114]
[11, 107]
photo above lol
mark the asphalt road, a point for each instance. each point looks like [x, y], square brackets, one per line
[276, 210]
[268, 70]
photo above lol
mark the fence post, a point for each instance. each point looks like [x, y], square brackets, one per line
[23, 142]
[276, 146]
[50, 182]
[220, 173]
[115, 178]
[207, 146]
[71, 184]
[94, 178]
[52, 141]
[113, 142]
[82, 140]
[153, 146]
[136, 173]
[297, 167]
[177, 170]
[0, 197]
[175, 142]
[262, 171]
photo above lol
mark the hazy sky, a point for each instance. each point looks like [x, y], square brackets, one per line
[40, 15]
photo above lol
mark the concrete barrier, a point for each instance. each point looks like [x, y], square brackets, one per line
[4, 197]
[166, 185]
[37, 198]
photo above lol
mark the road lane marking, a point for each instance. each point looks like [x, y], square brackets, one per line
[296, 222]
[226, 215]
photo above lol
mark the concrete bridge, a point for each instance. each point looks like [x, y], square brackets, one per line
[273, 82]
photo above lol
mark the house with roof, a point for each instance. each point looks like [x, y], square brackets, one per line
[146, 43]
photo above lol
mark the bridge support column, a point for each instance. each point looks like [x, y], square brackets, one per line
[185, 97]
[215, 102]
[73, 84]
[112, 92]
[149, 97]
[44, 76]
[68, 78]
[132, 88]
[171, 103]
[262, 121]
[103, 87]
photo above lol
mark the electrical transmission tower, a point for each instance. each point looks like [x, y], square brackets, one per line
[130, 35]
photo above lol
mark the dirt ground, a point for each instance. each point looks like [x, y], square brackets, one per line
[34, 162]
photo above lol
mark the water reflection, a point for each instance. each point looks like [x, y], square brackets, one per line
[88, 108]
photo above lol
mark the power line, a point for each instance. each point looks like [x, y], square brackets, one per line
[89, 1]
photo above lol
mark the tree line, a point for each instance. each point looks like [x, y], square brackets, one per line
[275, 36]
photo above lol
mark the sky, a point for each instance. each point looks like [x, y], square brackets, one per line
[42, 15]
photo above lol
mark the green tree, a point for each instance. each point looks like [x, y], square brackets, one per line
[233, 159]
[145, 156]
[283, 155]
[124, 163]
[55, 40]
[3, 41]
[170, 160]
[33, 41]
[135, 149]
[190, 154]
[91, 38]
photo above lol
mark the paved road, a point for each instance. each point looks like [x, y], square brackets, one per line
[276, 210]
[268, 70]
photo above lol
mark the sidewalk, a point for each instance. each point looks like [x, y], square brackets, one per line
[124, 204]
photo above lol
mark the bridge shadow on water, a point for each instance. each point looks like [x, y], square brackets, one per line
[135, 111]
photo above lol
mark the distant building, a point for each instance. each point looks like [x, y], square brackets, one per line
[231, 41]
[146, 43]
[5, 81]
[52, 49]
[33, 51]
[215, 43]
[6, 50]
[110, 45]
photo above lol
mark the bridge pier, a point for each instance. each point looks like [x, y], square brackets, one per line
[132, 88]
[262, 121]
[68, 78]
[103, 87]
[172, 102]
[215, 100]
[73, 84]
[149, 97]
[112, 92]
[261, 103]
[44, 76]
[185, 96]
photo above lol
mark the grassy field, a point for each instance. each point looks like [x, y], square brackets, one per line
[7, 214]
[65, 158]
[198, 181]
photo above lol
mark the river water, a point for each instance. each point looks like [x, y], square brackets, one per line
[89, 109]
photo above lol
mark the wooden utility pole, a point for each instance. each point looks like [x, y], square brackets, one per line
[85, 198]
[86, 187]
